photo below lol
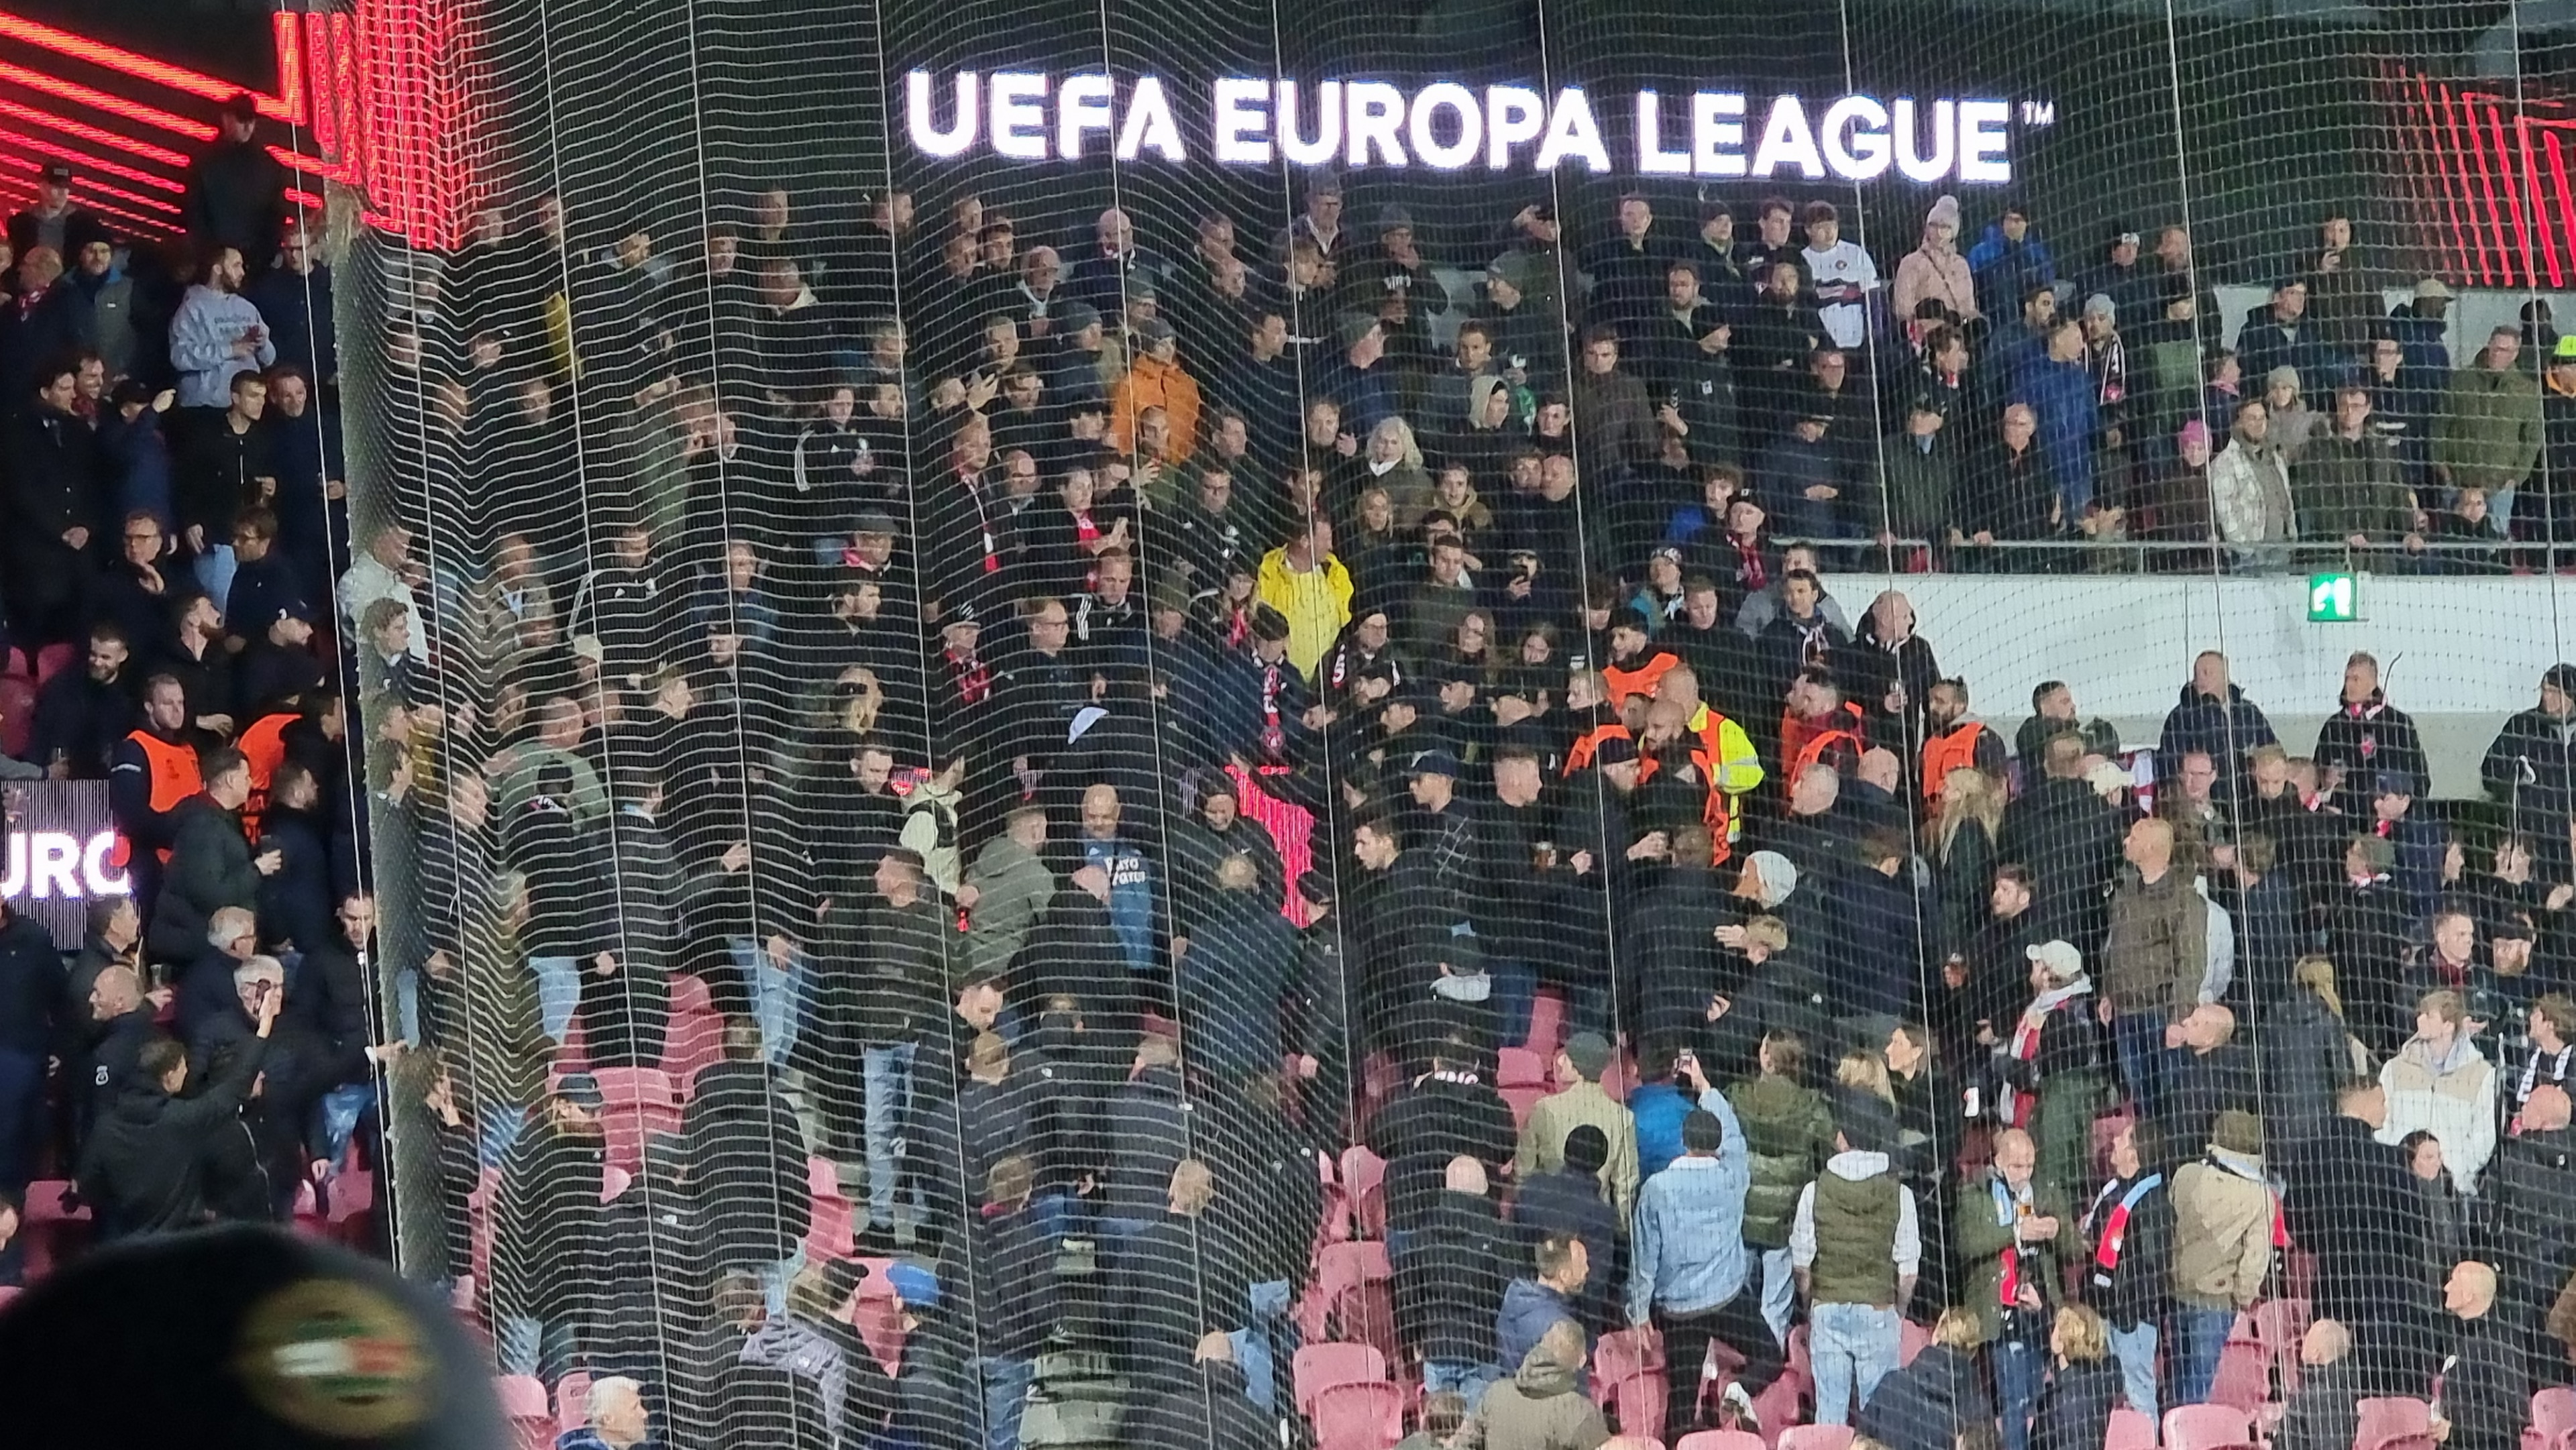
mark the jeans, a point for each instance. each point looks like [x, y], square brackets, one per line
[1060, 1216]
[1779, 1289]
[887, 1079]
[22, 1115]
[1006, 1397]
[558, 993]
[2140, 1038]
[1257, 1345]
[1463, 1377]
[1515, 988]
[500, 1128]
[526, 1344]
[2199, 1336]
[2136, 1351]
[335, 1118]
[777, 1002]
[1852, 1347]
[2020, 1368]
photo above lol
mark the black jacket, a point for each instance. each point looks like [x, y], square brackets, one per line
[2075, 1408]
[31, 985]
[1012, 1267]
[2486, 1387]
[2351, 1201]
[210, 868]
[1435, 1120]
[1146, 1126]
[1921, 1406]
[549, 1243]
[1449, 1282]
[2132, 1291]
[1214, 1414]
[747, 1164]
[142, 1171]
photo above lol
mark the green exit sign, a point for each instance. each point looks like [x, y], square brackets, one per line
[2334, 598]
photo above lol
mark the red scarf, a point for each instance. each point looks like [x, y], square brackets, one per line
[973, 680]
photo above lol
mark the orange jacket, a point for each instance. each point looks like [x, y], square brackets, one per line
[1151, 384]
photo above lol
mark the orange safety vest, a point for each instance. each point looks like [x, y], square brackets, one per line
[1945, 753]
[1588, 744]
[1802, 744]
[174, 779]
[264, 746]
[1640, 679]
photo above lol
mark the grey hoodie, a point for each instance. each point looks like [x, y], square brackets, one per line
[1015, 887]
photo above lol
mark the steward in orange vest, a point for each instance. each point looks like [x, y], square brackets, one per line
[1955, 742]
[153, 770]
[1820, 725]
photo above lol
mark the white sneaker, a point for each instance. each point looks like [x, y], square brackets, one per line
[1734, 1398]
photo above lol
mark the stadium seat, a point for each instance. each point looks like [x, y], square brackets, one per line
[695, 1037]
[1519, 1067]
[640, 1103]
[2244, 1377]
[1336, 1223]
[2129, 1431]
[2553, 1420]
[2280, 1324]
[351, 1202]
[572, 1401]
[51, 660]
[1911, 1340]
[17, 715]
[831, 1230]
[1626, 1351]
[613, 1184]
[1521, 1100]
[1815, 1437]
[1636, 1400]
[1319, 1367]
[1364, 1183]
[1547, 1024]
[2392, 1423]
[1357, 1283]
[2207, 1427]
[52, 1227]
[1720, 1440]
[877, 1318]
[1359, 1415]
[523, 1404]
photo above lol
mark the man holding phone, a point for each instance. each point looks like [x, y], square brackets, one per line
[217, 333]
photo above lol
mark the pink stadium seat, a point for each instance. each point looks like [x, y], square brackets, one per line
[1816, 1437]
[2280, 1324]
[1637, 1400]
[1364, 1182]
[1358, 1285]
[1359, 1415]
[2244, 1378]
[831, 1229]
[613, 1184]
[52, 1227]
[2553, 1420]
[2207, 1427]
[1547, 1024]
[523, 1403]
[1720, 1440]
[51, 660]
[1521, 1100]
[1519, 1067]
[1911, 1339]
[1336, 1223]
[17, 715]
[641, 1102]
[572, 1401]
[2393, 1424]
[696, 1034]
[1319, 1367]
[879, 1320]
[352, 1202]
[2129, 1431]
[7, 1293]
[1627, 1351]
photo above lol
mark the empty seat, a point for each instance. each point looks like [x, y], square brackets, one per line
[1359, 1415]
[2129, 1431]
[1636, 1399]
[1521, 1100]
[1319, 1367]
[1358, 1288]
[2207, 1427]
[1364, 1184]
[2553, 1420]
[1816, 1437]
[572, 1401]
[523, 1404]
[1720, 1440]
[2244, 1377]
[1519, 1067]
[2392, 1423]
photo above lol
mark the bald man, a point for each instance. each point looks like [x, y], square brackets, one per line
[2322, 1411]
[2210, 1074]
[1133, 887]
[1449, 1284]
[2532, 1179]
[2153, 960]
[2486, 1384]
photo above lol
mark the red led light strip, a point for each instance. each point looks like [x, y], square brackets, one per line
[141, 67]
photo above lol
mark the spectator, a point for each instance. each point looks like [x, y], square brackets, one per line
[236, 191]
[1542, 1406]
[1789, 1135]
[2075, 1410]
[2224, 1220]
[2489, 434]
[614, 1418]
[2131, 1228]
[2322, 1412]
[1924, 1405]
[1935, 271]
[2439, 1082]
[2154, 959]
[1532, 1307]
[1686, 1270]
[1580, 1102]
[2008, 261]
[2249, 487]
[2012, 1234]
[142, 1169]
[218, 334]
[2486, 1393]
[1857, 1247]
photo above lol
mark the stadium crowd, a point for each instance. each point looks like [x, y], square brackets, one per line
[971, 824]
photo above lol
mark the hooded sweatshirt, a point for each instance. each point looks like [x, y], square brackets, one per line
[201, 345]
[1540, 1408]
[2453, 1097]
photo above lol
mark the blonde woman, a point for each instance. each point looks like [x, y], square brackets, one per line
[2083, 1384]
[1960, 841]
[1393, 461]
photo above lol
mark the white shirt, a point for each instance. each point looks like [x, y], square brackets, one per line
[1842, 277]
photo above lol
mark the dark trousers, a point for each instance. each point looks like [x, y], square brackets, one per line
[1737, 1324]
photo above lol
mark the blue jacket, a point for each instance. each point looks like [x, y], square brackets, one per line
[2224, 730]
[139, 458]
[1659, 1108]
[1530, 1309]
[2005, 270]
[2062, 394]
[1131, 896]
[1686, 1250]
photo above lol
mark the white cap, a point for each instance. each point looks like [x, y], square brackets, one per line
[2063, 961]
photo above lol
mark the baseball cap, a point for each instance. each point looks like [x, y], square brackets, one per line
[254, 1336]
[1617, 750]
[2061, 958]
[58, 171]
[1436, 762]
[2430, 288]
[874, 523]
[582, 1091]
[242, 106]
[1154, 331]
[1590, 1054]
[916, 1286]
